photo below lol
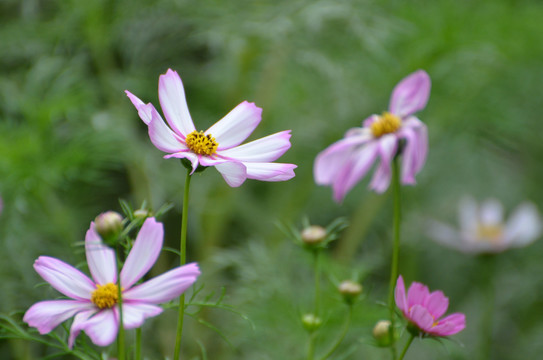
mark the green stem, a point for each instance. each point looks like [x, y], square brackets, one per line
[120, 336]
[487, 285]
[317, 280]
[342, 335]
[183, 251]
[311, 347]
[407, 345]
[138, 344]
[395, 248]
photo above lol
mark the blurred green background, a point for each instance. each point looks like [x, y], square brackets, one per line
[72, 144]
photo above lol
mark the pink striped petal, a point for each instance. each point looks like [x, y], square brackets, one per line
[411, 94]
[162, 137]
[144, 253]
[47, 315]
[102, 328]
[524, 226]
[355, 169]
[417, 294]
[100, 258]
[64, 278]
[387, 149]
[409, 156]
[134, 314]
[234, 173]
[174, 104]
[450, 325]
[437, 303]
[236, 126]
[269, 171]
[421, 317]
[212, 160]
[268, 148]
[164, 287]
[192, 157]
[399, 295]
[79, 320]
[144, 111]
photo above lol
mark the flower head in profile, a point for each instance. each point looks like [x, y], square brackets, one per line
[347, 161]
[424, 310]
[484, 230]
[93, 302]
[218, 146]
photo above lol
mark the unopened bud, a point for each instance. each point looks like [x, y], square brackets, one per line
[141, 214]
[313, 235]
[383, 333]
[350, 290]
[109, 224]
[311, 322]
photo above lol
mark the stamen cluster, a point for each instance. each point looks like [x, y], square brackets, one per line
[105, 296]
[386, 124]
[201, 143]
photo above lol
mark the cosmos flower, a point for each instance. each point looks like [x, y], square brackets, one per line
[483, 229]
[94, 302]
[218, 146]
[347, 161]
[424, 310]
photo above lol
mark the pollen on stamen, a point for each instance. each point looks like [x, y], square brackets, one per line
[201, 143]
[385, 124]
[105, 296]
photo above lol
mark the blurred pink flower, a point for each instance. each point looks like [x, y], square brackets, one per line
[93, 302]
[347, 161]
[219, 145]
[483, 229]
[424, 309]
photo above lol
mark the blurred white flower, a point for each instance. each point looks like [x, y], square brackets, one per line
[484, 230]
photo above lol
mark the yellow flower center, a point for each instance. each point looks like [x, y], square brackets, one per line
[201, 143]
[386, 124]
[490, 233]
[105, 296]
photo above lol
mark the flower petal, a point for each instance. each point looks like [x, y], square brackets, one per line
[399, 295]
[144, 111]
[269, 171]
[359, 164]
[417, 294]
[144, 253]
[331, 161]
[524, 226]
[468, 216]
[234, 173]
[162, 137]
[411, 94]
[100, 258]
[164, 287]
[134, 314]
[268, 148]
[450, 325]
[192, 157]
[236, 126]
[387, 149]
[445, 235]
[102, 328]
[420, 316]
[47, 315]
[79, 320]
[65, 278]
[421, 149]
[437, 304]
[491, 212]
[174, 104]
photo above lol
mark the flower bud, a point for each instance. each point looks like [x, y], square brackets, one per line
[382, 333]
[350, 290]
[311, 322]
[141, 214]
[313, 235]
[109, 224]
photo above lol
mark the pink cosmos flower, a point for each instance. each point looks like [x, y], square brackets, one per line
[93, 302]
[347, 161]
[219, 145]
[483, 229]
[424, 309]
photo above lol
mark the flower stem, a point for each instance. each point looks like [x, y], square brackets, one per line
[138, 344]
[311, 347]
[120, 336]
[406, 347]
[395, 248]
[317, 253]
[342, 335]
[487, 286]
[183, 252]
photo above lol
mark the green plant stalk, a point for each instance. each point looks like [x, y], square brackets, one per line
[183, 251]
[317, 254]
[120, 335]
[407, 345]
[311, 346]
[342, 335]
[487, 286]
[138, 344]
[395, 248]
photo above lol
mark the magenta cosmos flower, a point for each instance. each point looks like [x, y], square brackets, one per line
[219, 145]
[347, 161]
[424, 310]
[484, 230]
[93, 302]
